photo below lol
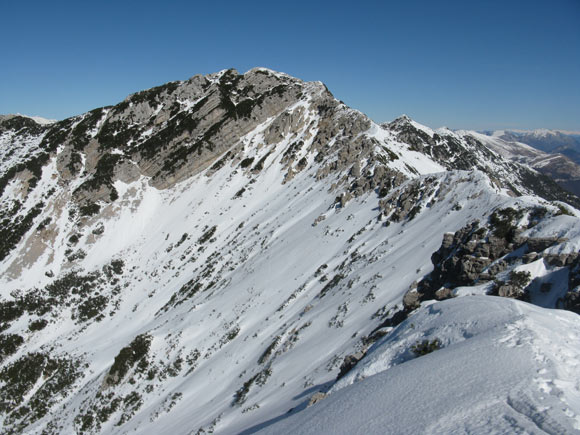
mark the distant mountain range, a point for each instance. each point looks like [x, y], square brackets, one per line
[549, 141]
[559, 157]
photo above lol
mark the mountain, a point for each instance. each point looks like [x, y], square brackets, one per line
[557, 166]
[209, 254]
[566, 143]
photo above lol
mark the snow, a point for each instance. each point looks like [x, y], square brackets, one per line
[504, 367]
[561, 227]
[407, 158]
[542, 274]
[39, 120]
[278, 74]
[265, 274]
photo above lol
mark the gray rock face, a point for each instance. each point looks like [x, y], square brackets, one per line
[464, 151]
[316, 397]
[349, 362]
[539, 244]
[510, 291]
[478, 254]
[412, 300]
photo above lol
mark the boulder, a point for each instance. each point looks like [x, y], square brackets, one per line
[412, 299]
[349, 362]
[316, 397]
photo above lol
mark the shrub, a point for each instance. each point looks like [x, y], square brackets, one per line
[128, 357]
[520, 279]
[424, 347]
[37, 325]
[9, 344]
[503, 222]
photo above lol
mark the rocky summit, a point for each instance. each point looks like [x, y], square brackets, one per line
[211, 255]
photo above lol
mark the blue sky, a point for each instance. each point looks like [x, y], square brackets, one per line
[463, 64]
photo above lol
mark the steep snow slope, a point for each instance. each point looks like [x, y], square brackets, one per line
[204, 255]
[503, 367]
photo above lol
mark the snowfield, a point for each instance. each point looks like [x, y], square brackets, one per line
[504, 366]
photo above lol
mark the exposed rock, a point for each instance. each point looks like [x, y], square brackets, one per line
[443, 293]
[316, 397]
[561, 259]
[529, 257]
[497, 267]
[412, 299]
[349, 362]
[477, 254]
[572, 301]
[510, 291]
[538, 244]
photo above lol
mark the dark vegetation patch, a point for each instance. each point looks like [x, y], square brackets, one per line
[34, 164]
[260, 165]
[331, 284]
[117, 134]
[205, 237]
[21, 125]
[57, 375]
[79, 136]
[113, 269]
[153, 95]
[292, 150]
[103, 176]
[222, 161]
[45, 223]
[92, 307]
[58, 134]
[13, 229]
[264, 357]
[9, 344]
[176, 126]
[84, 293]
[135, 354]
[75, 163]
[246, 162]
[239, 193]
[37, 325]
[259, 378]
[504, 222]
[89, 209]
[187, 291]
[426, 346]
[72, 284]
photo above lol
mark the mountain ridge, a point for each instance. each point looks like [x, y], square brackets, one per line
[207, 254]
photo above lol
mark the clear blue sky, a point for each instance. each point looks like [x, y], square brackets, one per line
[462, 64]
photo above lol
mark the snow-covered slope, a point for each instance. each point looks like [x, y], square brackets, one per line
[551, 141]
[205, 254]
[553, 162]
[499, 366]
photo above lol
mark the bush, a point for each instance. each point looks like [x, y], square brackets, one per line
[503, 223]
[424, 347]
[134, 353]
[9, 344]
[37, 325]
[520, 279]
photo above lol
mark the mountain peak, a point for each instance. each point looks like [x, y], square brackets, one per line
[402, 119]
[246, 238]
